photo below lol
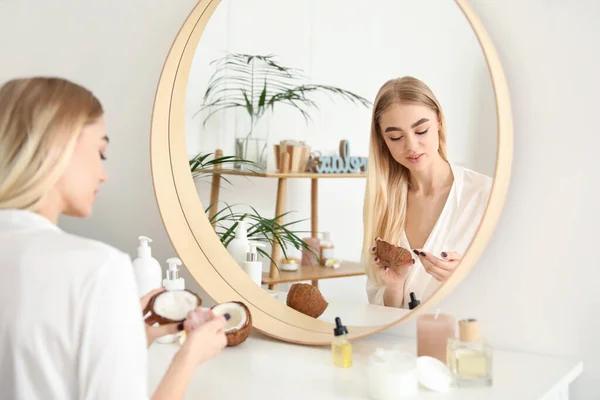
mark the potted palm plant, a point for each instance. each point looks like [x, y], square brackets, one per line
[226, 218]
[256, 84]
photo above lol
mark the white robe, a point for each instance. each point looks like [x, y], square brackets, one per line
[71, 325]
[453, 231]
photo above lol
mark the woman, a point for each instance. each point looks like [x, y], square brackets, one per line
[71, 326]
[415, 197]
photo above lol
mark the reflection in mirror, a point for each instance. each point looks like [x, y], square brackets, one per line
[310, 137]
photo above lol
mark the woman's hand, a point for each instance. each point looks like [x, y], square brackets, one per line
[205, 339]
[154, 332]
[205, 336]
[391, 275]
[439, 268]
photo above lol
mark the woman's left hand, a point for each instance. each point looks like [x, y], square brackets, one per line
[154, 332]
[439, 268]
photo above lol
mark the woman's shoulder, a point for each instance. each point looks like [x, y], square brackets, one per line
[472, 179]
[73, 254]
[92, 248]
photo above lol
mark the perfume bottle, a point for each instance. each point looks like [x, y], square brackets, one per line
[341, 348]
[469, 357]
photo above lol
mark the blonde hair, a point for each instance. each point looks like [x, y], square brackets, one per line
[40, 121]
[384, 212]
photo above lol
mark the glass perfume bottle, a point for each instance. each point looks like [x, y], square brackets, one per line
[341, 348]
[469, 356]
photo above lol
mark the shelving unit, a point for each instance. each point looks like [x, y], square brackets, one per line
[304, 273]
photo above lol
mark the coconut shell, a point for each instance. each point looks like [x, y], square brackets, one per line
[238, 336]
[154, 317]
[392, 256]
[307, 299]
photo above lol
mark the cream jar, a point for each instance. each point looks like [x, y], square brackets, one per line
[392, 374]
[289, 264]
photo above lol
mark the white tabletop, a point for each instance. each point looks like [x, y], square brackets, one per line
[263, 368]
[355, 313]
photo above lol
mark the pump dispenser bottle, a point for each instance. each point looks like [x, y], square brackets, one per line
[252, 266]
[341, 347]
[238, 246]
[147, 270]
[173, 281]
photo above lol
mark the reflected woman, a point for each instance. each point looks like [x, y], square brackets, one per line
[415, 197]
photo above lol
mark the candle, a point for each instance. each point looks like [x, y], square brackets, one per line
[433, 332]
[308, 258]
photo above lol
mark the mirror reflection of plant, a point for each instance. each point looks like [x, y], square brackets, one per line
[202, 166]
[259, 229]
[257, 83]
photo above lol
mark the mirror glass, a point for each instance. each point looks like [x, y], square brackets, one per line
[326, 125]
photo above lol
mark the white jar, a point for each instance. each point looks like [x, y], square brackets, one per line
[392, 375]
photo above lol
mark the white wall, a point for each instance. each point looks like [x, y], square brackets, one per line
[337, 43]
[536, 285]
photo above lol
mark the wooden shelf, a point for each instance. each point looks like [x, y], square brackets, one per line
[309, 273]
[277, 174]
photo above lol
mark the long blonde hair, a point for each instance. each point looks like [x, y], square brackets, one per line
[40, 121]
[384, 212]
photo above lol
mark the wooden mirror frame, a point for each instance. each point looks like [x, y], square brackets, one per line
[194, 238]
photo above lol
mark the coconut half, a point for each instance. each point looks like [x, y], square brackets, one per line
[392, 256]
[171, 306]
[307, 299]
[238, 325]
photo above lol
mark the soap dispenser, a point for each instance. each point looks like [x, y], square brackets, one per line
[173, 281]
[238, 246]
[147, 270]
[252, 266]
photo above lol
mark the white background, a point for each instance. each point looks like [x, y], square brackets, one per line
[535, 288]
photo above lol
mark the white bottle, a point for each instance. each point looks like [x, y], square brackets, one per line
[327, 248]
[252, 266]
[147, 270]
[173, 281]
[238, 247]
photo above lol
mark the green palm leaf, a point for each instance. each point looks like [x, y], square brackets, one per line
[258, 83]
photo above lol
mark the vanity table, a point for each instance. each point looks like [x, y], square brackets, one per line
[264, 368]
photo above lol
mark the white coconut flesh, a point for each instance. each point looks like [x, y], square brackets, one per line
[237, 315]
[175, 305]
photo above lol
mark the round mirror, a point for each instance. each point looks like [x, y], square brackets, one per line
[317, 160]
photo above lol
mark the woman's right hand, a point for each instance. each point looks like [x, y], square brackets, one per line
[205, 336]
[393, 276]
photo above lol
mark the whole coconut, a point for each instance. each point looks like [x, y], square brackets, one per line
[307, 299]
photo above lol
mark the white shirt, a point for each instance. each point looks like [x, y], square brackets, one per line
[453, 231]
[71, 323]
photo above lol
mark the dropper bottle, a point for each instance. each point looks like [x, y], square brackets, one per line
[341, 347]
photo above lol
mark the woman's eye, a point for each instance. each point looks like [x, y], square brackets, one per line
[395, 139]
[102, 157]
[422, 133]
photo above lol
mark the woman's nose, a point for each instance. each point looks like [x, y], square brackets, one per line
[103, 175]
[411, 141]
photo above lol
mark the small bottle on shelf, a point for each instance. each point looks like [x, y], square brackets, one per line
[326, 248]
